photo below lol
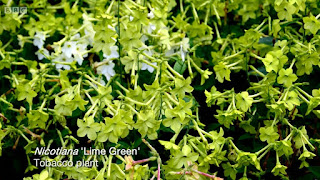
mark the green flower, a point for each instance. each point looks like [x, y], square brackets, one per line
[274, 60]
[298, 138]
[78, 102]
[268, 134]
[213, 97]
[287, 77]
[147, 125]
[131, 39]
[306, 155]
[37, 119]
[285, 10]
[279, 169]
[183, 109]
[115, 127]
[305, 63]
[24, 91]
[222, 72]
[88, 127]
[63, 105]
[183, 157]
[6, 62]
[247, 158]
[169, 145]
[227, 118]
[312, 24]
[230, 170]
[182, 86]
[243, 101]
[292, 100]
[44, 175]
[283, 148]
[304, 164]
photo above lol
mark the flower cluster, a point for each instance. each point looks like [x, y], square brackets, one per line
[232, 83]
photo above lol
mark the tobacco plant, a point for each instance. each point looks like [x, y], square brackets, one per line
[203, 89]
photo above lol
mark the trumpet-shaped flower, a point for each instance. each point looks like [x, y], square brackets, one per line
[151, 27]
[64, 59]
[42, 53]
[114, 53]
[184, 46]
[88, 28]
[80, 53]
[39, 39]
[148, 67]
[107, 70]
[69, 48]
[150, 14]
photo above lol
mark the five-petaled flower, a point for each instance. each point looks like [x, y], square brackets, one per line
[39, 39]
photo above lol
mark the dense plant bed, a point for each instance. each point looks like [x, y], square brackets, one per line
[159, 89]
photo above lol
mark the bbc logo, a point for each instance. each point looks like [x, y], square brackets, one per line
[21, 10]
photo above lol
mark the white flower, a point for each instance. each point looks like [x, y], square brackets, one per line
[145, 66]
[169, 52]
[62, 58]
[107, 70]
[151, 28]
[42, 53]
[39, 39]
[69, 48]
[89, 32]
[102, 82]
[88, 28]
[184, 46]
[80, 53]
[75, 37]
[114, 53]
[131, 18]
[182, 53]
[148, 67]
[144, 38]
[111, 28]
[150, 14]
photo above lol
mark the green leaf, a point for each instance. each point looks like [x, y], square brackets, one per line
[315, 170]
[180, 66]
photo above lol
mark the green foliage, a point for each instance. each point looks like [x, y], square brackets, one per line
[129, 74]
